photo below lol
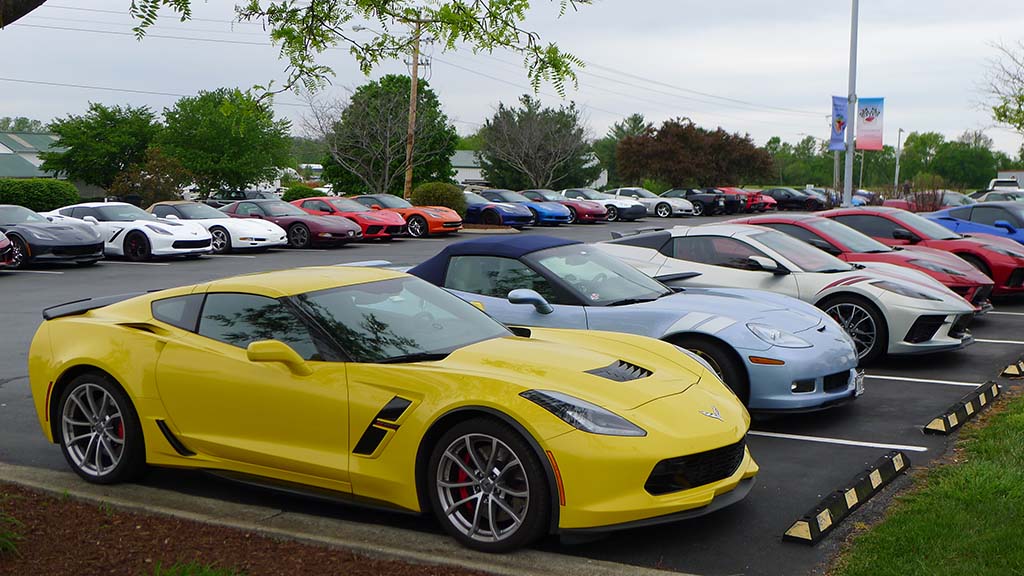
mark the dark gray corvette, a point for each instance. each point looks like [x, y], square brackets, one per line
[35, 238]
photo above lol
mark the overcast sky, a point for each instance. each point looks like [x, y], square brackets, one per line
[767, 68]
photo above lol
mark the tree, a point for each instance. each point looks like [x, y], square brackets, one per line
[918, 152]
[366, 137]
[305, 30]
[963, 165]
[471, 142]
[228, 139]
[537, 147]
[159, 178]
[307, 150]
[20, 124]
[1006, 86]
[605, 148]
[976, 139]
[100, 144]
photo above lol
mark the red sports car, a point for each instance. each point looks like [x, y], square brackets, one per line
[850, 245]
[769, 202]
[752, 201]
[579, 210]
[1000, 259]
[6, 254]
[375, 223]
[304, 230]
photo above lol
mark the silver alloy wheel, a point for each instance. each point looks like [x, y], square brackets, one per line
[417, 227]
[572, 215]
[221, 242]
[93, 430]
[18, 259]
[483, 488]
[298, 236]
[663, 210]
[613, 213]
[698, 209]
[858, 323]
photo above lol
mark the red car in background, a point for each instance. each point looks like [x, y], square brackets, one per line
[850, 245]
[942, 199]
[1000, 259]
[769, 202]
[304, 230]
[6, 253]
[751, 201]
[375, 223]
[579, 210]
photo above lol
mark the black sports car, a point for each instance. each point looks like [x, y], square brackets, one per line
[223, 198]
[705, 202]
[792, 199]
[35, 238]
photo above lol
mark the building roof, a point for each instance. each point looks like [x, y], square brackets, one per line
[20, 142]
[465, 159]
[14, 166]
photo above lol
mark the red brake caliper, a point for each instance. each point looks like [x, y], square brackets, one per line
[463, 477]
[120, 429]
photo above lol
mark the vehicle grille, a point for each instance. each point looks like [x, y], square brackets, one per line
[695, 470]
[959, 328]
[837, 381]
[191, 244]
[924, 328]
[452, 224]
[1016, 279]
[84, 250]
[395, 230]
[621, 371]
[374, 229]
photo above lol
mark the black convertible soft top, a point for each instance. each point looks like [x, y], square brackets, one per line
[76, 307]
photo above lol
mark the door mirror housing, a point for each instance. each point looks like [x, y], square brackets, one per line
[91, 219]
[277, 351]
[171, 217]
[527, 296]
[768, 265]
[823, 245]
[1005, 226]
[375, 207]
[904, 234]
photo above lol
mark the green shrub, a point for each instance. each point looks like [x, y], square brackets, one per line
[298, 191]
[8, 534]
[39, 194]
[440, 194]
[194, 569]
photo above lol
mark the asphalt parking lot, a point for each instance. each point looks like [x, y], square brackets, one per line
[802, 457]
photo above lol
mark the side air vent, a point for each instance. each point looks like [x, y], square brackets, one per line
[621, 371]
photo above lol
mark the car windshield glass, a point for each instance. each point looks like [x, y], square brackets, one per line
[474, 198]
[509, 196]
[806, 257]
[391, 201]
[597, 278]
[122, 213]
[199, 212]
[281, 209]
[548, 195]
[398, 319]
[849, 237]
[957, 199]
[593, 194]
[10, 215]
[346, 205]
[641, 192]
[924, 226]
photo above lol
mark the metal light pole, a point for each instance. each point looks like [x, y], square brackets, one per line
[851, 106]
[896, 179]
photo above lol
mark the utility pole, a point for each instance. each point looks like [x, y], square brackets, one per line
[851, 108]
[410, 136]
[896, 179]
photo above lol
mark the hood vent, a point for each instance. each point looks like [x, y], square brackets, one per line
[621, 371]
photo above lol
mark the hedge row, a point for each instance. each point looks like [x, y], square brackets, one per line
[440, 194]
[39, 194]
[299, 191]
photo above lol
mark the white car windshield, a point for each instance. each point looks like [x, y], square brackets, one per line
[597, 278]
[806, 257]
[593, 194]
[641, 192]
[200, 212]
[122, 213]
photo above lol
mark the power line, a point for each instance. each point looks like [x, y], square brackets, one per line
[125, 13]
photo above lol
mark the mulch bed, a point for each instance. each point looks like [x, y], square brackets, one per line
[61, 535]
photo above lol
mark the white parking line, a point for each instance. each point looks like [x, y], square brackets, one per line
[840, 441]
[923, 380]
[32, 271]
[231, 256]
[306, 250]
[1014, 342]
[1007, 313]
[136, 263]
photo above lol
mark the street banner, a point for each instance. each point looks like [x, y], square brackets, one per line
[838, 123]
[869, 123]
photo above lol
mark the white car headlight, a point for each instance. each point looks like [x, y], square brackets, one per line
[904, 290]
[158, 230]
[582, 414]
[42, 235]
[777, 337]
[936, 267]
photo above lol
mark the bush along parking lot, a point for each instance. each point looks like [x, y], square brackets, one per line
[961, 517]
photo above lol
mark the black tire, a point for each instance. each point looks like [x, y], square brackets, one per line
[613, 213]
[490, 218]
[811, 205]
[417, 227]
[572, 215]
[19, 253]
[136, 247]
[537, 509]
[977, 263]
[299, 236]
[723, 361]
[536, 217]
[698, 208]
[220, 240]
[834, 306]
[662, 210]
[132, 462]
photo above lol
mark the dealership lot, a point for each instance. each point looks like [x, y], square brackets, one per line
[802, 457]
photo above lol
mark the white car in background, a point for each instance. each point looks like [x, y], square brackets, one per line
[659, 206]
[129, 231]
[884, 308]
[227, 233]
[618, 208]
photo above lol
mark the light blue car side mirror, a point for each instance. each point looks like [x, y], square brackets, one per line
[527, 296]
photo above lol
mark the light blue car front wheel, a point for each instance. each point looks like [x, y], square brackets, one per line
[722, 359]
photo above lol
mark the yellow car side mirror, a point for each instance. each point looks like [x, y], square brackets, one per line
[277, 351]
[479, 305]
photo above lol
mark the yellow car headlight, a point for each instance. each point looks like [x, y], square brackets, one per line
[582, 414]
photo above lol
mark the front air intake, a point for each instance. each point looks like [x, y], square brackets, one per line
[621, 371]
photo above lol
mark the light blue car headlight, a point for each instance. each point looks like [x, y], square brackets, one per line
[904, 290]
[777, 337]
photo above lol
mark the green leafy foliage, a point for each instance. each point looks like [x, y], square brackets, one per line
[298, 191]
[964, 165]
[9, 535]
[307, 150]
[159, 178]
[21, 124]
[1006, 86]
[39, 194]
[100, 144]
[227, 139]
[194, 569]
[471, 142]
[605, 148]
[440, 194]
[532, 146]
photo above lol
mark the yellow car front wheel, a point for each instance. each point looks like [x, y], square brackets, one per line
[487, 487]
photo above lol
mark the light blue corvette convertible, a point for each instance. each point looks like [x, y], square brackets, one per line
[777, 353]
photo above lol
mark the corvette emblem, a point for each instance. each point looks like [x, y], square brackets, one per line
[713, 414]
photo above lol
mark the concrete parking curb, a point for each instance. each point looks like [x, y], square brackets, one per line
[368, 539]
[963, 410]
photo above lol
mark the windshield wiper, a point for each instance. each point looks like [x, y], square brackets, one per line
[834, 270]
[416, 357]
[628, 301]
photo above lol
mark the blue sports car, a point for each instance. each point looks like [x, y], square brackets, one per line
[777, 353]
[1004, 219]
[480, 210]
[543, 212]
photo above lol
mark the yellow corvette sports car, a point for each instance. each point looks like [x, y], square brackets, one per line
[375, 386]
